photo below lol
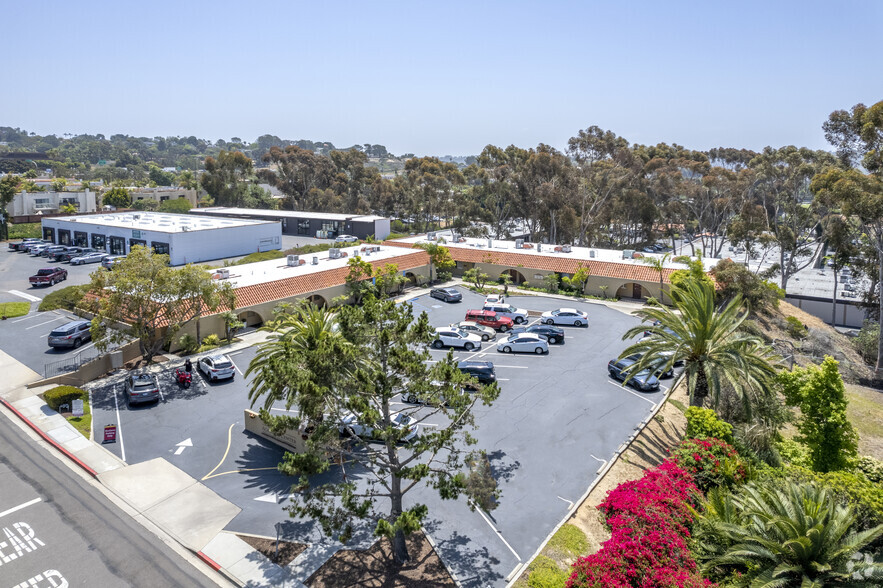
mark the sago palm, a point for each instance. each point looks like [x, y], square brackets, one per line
[796, 535]
[709, 342]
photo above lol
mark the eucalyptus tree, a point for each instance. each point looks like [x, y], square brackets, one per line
[300, 174]
[431, 184]
[497, 187]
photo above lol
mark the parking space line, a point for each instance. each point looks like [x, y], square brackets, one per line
[500, 535]
[20, 506]
[514, 367]
[116, 405]
[30, 316]
[25, 296]
[44, 323]
[236, 367]
[621, 387]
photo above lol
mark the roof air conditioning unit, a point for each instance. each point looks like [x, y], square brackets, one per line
[430, 236]
[136, 216]
[591, 253]
[334, 253]
[565, 248]
[315, 260]
[293, 260]
[519, 243]
[224, 273]
[627, 253]
[539, 247]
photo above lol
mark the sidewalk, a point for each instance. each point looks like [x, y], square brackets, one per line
[186, 510]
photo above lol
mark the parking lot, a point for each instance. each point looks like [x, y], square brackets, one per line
[558, 418]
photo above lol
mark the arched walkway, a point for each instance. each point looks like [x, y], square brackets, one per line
[632, 290]
[317, 301]
[251, 319]
[412, 279]
[516, 276]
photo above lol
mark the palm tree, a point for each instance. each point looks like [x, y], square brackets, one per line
[658, 265]
[715, 351]
[795, 535]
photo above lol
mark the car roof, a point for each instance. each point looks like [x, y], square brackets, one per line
[474, 363]
[526, 334]
[218, 357]
[143, 376]
[70, 325]
[567, 310]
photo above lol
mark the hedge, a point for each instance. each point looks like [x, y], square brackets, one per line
[63, 395]
[64, 298]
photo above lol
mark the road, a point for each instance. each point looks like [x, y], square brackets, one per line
[58, 529]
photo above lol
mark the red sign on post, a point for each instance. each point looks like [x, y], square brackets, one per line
[110, 434]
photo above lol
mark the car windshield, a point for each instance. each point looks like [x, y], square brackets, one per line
[510, 309]
[221, 365]
[60, 332]
[142, 382]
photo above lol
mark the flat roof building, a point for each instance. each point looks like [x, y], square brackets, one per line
[310, 224]
[185, 238]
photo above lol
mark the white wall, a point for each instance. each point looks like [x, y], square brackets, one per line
[848, 315]
[381, 229]
[24, 202]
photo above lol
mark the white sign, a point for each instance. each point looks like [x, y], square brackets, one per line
[78, 408]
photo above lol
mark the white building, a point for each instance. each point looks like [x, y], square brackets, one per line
[31, 203]
[185, 238]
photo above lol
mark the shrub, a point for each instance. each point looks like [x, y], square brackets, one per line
[188, 343]
[736, 279]
[65, 298]
[866, 342]
[444, 276]
[711, 462]
[795, 328]
[178, 205]
[703, 423]
[62, 395]
[145, 204]
[545, 573]
[25, 230]
[649, 520]
[211, 340]
[794, 453]
[871, 468]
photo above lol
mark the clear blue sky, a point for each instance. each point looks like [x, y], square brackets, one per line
[441, 77]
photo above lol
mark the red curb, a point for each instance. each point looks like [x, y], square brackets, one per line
[49, 439]
[209, 561]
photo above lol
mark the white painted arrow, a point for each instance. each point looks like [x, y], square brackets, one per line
[274, 498]
[183, 445]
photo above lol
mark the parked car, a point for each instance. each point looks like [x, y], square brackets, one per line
[72, 334]
[550, 333]
[494, 299]
[448, 337]
[112, 260]
[94, 257]
[524, 343]
[142, 388]
[483, 371]
[518, 315]
[19, 245]
[405, 423]
[26, 247]
[446, 294]
[48, 276]
[72, 252]
[486, 333]
[52, 250]
[37, 249]
[664, 354]
[490, 319]
[345, 239]
[565, 316]
[216, 367]
[643, 380]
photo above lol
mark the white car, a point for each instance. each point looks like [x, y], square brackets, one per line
[350, 426]
[524, 343]
[518, 315]
[486, 333]
[345, 239]
[450, 337]
[216, 367]
[494, 299]
[565, 316]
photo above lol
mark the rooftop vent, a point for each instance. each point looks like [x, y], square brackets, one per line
[315, 260]
[223, 273]
[565, 248]
[519, 243]
[539, 247]
[334, 253]
[490, 243]
[430, 236]
[591, 253]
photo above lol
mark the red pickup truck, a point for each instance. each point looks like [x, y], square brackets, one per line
[48, 276]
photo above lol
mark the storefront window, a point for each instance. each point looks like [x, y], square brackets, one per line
[64, 237]
[99, 242]
[133, 242]
[161, 248]
[303, 227]
[49, 234]
[81, 239]
[117, 246]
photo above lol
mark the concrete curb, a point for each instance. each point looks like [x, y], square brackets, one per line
[49, 439]
[441, 559]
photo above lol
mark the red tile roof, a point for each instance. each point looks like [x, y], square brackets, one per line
[557, 263]
[312, 282]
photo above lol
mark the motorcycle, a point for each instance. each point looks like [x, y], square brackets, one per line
[184, 378]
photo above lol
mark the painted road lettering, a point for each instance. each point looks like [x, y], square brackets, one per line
[48, 579]
[21, 539]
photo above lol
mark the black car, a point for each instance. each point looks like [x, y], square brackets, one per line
[446, 294]
[550, 333]
[483, 371]
[643, 380]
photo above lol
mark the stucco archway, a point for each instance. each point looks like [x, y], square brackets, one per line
[516, 276]
[632, 290]
[318, 301]
[251, 318]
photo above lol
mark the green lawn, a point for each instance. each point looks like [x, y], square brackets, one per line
[84, 423]
[14, 309]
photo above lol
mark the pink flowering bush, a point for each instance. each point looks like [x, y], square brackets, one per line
[650, 522]
[711, 462]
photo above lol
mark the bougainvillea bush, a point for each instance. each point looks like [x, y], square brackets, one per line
[649, 520]
[711, 462]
